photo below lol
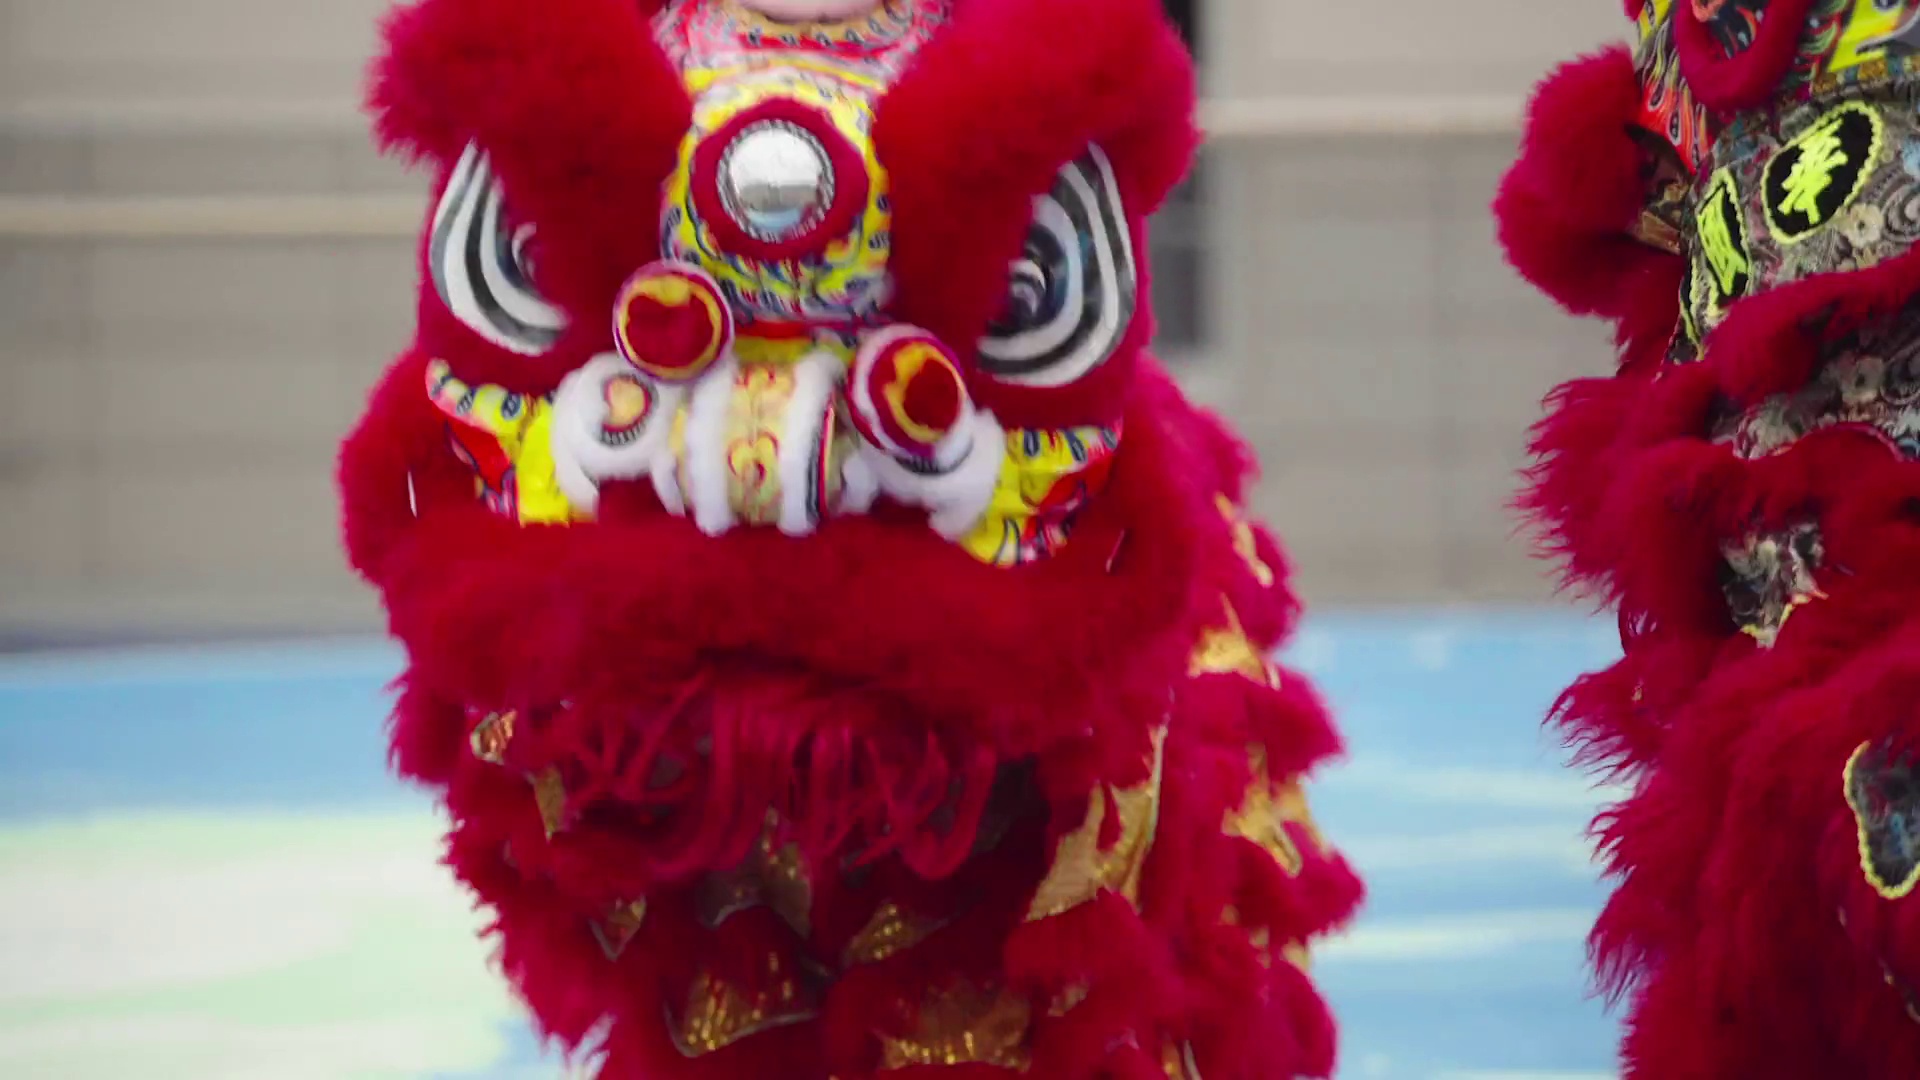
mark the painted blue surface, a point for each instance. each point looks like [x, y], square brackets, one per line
[1466, 966]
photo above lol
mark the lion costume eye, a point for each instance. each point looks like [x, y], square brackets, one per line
[1074, 287]
[480, 263]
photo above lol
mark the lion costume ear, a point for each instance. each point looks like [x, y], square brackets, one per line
[522, 73]
[576, 109]
[987, 114]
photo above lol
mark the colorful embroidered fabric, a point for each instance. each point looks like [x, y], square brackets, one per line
[505, 437]
[1049, 477]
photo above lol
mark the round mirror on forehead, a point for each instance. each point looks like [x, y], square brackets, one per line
[775, 180]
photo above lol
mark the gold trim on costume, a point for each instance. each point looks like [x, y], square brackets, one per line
[1176, 1058]
[1268, 810]
[1226, 649]
[550, 795]
[617, 930]
[889, 932]
[1081, 869]
[775, 877]
[965, 1025]
[719, 1015]
[1244, 542]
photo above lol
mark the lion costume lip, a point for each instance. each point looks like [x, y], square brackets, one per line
[865, 597]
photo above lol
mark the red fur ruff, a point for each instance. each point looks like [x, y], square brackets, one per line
[685, 723]
[1749, 509]
[858, 803]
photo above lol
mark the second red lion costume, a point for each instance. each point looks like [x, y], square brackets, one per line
[1740, 197]
[839, 646]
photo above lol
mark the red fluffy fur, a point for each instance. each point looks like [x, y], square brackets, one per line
[1771, 344]
[1734, 859]
[1724, 926]
[510, 617]
[872, 684]
[580, 115]
[1565, 206]
[962, 189]
[1564, 210]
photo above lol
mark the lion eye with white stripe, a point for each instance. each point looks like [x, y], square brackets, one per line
[481, 263]
[1073, 289]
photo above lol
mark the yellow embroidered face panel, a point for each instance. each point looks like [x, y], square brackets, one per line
[778, 192]
[757, 377]
[775, 178]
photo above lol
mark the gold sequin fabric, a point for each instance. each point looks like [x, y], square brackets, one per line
[956, 1022]
[1244, 543]
[889, 932]
[774, 875]
[717, 1015]
[1270, 811]
[965, 1025]
[619, 927]
[1225, 649]
[550, 798]
[1082, 869]
[489, 741]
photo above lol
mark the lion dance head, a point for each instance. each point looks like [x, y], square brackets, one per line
[841, 649]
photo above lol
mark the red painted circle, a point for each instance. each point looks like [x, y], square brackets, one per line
[931, 400]
[673, 342]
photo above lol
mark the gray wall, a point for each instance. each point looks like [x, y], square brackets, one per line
[175, 400]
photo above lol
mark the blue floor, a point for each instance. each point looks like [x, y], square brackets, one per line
[135, 784]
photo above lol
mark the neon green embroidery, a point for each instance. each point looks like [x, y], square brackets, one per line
[1720, 229]
[1820, 156]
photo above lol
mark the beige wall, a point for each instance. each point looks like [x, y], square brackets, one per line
[166, 460]
[1384, 361]
[119, 53]
[115, 56]
[1342, 48]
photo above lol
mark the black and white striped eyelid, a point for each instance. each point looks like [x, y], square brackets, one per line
[479, 263]
[1073, 290]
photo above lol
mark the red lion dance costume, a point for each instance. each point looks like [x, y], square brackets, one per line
[1740, 197]
[838, 645]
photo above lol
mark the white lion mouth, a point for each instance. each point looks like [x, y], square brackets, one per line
[759, 445]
